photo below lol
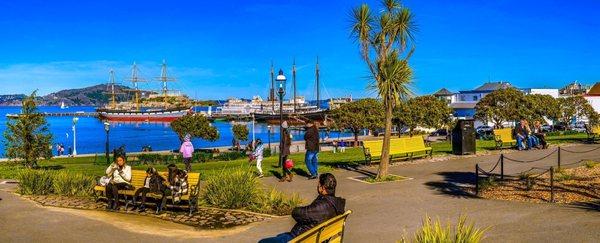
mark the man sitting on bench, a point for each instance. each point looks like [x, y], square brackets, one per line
[324, 207]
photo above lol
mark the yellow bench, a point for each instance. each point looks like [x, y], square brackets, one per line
[502, 136]
[331, 231]
[406, 146]
[593, 132]
[137, 181]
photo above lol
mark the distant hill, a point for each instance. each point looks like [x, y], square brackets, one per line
[90, 96]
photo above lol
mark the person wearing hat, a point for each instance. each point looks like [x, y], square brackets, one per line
[285, 152]
[187, 151]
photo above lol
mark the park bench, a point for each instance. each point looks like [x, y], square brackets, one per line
[331, 231]
[137, 181]
[406, 146]
[502, 136]
[593, 132]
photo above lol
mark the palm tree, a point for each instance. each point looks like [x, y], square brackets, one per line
[383, 42]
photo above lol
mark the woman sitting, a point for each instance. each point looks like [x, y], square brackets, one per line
[120, 178]
[178, 186]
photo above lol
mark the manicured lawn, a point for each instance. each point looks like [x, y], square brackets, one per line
[327, 160]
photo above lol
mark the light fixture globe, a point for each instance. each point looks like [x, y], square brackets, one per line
[106, 126]
[281, 79]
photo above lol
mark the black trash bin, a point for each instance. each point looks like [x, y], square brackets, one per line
[463, 137]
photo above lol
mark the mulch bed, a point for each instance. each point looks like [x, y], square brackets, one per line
[580, 184]
[204, 218]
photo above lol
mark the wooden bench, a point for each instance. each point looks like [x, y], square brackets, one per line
[331, 231]
[137, 181]
[406, 146]
[502, 136]
[593, 133]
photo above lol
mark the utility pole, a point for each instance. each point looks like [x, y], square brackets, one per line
[317, 81]
[294, 82]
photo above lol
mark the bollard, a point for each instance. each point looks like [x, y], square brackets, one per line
[559, 157]
[476, 179]
[501, 166]
[551, 184]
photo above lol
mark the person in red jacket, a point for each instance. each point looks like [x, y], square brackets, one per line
[324, 207]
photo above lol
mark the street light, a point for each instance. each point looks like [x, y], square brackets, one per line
[281, 81]
[107, 129]
[75, 119]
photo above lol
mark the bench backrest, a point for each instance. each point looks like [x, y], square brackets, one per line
[374, 147]
[397, 145]
[331, 231]
[414, 143]
[138, 177]
[504, 134]
[596, 129]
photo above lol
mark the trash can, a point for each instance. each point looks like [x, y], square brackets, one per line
[463, 137]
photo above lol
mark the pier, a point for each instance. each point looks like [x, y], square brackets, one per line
[56, 114]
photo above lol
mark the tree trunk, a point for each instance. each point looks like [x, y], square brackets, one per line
[356, 132]
[385, 153]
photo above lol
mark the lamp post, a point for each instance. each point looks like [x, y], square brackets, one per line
[75, 119]
[107, 129]
[269, 137]
[281, 81]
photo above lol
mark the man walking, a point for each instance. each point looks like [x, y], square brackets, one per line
[311, 139]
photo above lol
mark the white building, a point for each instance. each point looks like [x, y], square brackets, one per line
[552, 92]
[593, 97]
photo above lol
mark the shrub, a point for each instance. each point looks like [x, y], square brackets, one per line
[231, 189]
[590, 164]
[385, 178]
[228, 156]
[72, 184]
[485, 183]
[35, 182]
[436, 232]
[275, 202]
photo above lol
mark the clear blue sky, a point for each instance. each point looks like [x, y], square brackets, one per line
[220, 49]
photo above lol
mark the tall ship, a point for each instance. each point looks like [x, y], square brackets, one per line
[156, 107]
[295, 110]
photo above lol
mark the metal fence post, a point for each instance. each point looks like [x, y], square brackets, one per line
[559, 157]
[501, 166]
[551, 184]
[476, 179]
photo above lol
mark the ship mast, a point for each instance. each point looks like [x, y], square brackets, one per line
[113, 103]
[135, 80]
[164, 78]
[317, 81]
[272, 91]
[294, 82]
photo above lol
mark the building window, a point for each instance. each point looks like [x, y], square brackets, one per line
[474, 97]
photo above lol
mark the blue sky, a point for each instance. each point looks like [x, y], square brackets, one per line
[220, 49]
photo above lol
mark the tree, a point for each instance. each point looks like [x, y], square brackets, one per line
[425, 111]
[28, 136]
[383, 40]
[358, 115]
[502, 105]
[541, 106]
[240, 133]
[196, 125]
[576, 106]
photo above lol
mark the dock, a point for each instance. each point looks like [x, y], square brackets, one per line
[58, 114]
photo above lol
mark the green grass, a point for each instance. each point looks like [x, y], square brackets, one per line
[327, 161]
[386, 179]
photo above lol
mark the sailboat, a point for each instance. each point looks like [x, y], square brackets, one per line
[296, 110]
[63, 106]
[134, 112]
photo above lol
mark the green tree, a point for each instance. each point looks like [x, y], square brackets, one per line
[541, 106]
[358, 115]
[240, 133]
[196, 125]
[502, 105]
[28, 136]
[425, 111]
[383, 41]
[576, 106]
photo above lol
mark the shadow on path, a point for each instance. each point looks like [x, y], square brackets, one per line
[590, 206]
[456, 184]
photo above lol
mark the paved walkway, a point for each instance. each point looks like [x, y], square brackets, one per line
[382, 213]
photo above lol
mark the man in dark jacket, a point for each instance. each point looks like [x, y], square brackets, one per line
[311, 138]
[324, 207]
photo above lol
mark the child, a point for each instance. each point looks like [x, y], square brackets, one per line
[152, 183]
[342, 145]
[258, 155]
